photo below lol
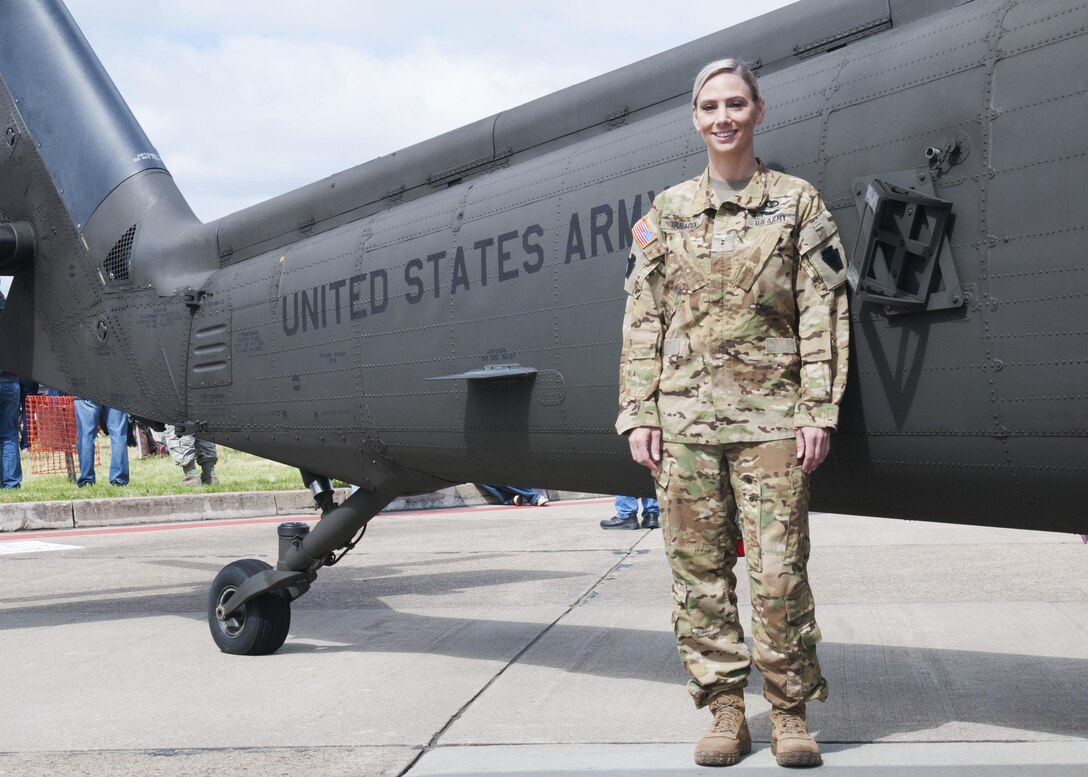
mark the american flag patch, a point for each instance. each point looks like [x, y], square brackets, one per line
[644, 233]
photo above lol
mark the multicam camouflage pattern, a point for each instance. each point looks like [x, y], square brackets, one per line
[736, 326]
[701, 490]
[736, 333]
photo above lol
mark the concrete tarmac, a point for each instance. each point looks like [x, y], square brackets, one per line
[526, 641]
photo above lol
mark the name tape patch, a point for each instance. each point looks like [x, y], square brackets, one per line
[682, 225]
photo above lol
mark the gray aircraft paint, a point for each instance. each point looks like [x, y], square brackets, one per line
[309, 329]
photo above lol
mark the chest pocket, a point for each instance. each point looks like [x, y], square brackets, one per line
[749, 265]
[688, 257]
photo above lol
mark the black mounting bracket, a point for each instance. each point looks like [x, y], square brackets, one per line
[194, 298]
[902, 259]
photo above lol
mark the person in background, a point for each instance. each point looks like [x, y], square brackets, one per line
[146, 443]
[513, 495]
[89, 416]
[27, 388]
[11, 468]
[189, 452]
[626, 516]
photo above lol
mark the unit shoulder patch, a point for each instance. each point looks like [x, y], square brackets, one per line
[829, 266]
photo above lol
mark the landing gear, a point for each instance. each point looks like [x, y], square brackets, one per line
[321, 487]
[249, 605]
[259, 626]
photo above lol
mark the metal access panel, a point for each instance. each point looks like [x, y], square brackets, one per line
[902, 259]
[209, 351]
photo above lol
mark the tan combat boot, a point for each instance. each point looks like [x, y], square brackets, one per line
[728, 738]
[791, 743]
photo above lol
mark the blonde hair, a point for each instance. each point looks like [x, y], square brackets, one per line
[725, 66]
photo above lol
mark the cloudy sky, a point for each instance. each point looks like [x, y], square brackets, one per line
[251, 98]
[247, 99]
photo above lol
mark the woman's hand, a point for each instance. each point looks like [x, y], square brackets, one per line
[645, 442]
[813, 445]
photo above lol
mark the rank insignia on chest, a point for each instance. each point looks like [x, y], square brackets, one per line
[644, 233]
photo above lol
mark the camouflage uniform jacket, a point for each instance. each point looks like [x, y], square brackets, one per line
[737, 325]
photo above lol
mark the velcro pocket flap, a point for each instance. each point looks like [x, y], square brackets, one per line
[674, 347]
[642, 344]
[750, 264]
[816, 232]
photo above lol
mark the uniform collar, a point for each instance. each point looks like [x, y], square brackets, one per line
[752, 198]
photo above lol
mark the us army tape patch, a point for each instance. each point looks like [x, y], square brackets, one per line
[644, 233]
[788, 219]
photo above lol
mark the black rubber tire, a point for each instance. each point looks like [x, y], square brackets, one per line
[261, 625]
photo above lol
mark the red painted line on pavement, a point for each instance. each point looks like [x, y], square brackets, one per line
[23, 535]
[150, 527]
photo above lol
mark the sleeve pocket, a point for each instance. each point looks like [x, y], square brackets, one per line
[642, 344]
[641, 369]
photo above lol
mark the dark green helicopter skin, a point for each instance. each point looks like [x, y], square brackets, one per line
[451, 313]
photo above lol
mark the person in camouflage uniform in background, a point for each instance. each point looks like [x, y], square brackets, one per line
[735, 341]
[190, 452]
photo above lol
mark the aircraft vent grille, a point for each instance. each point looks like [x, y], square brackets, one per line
[118, 264]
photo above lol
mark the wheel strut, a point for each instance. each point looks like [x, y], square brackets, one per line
[249, 604]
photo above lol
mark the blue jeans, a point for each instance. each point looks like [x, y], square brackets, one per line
[506, 494]
[88, 416]
[11, 468]
[26, 388]
[628, 505]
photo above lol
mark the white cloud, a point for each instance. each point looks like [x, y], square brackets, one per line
[246, 100]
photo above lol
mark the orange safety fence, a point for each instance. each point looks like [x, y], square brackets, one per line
[52, 435]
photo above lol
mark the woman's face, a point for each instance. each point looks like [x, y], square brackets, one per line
[726, 115]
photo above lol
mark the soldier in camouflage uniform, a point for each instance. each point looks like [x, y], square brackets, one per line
[189, 452]
[734, 362]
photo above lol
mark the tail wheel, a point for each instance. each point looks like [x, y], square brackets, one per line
[260, 626]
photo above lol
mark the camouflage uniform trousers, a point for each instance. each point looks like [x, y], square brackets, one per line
[701, 488]
[186, 448]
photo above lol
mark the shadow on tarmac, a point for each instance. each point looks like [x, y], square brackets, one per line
[919, 688]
